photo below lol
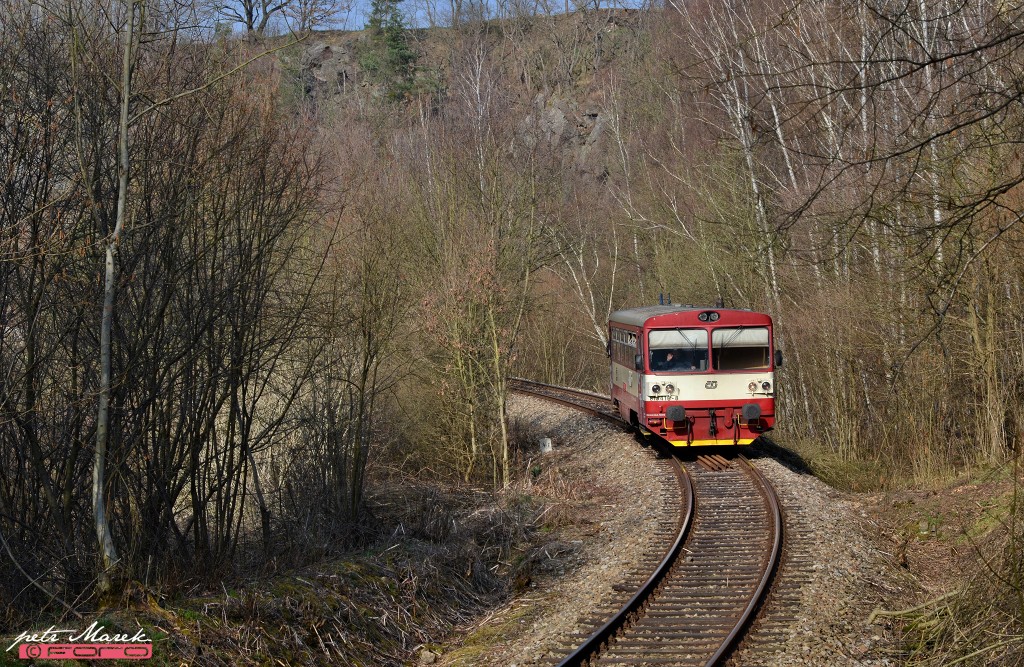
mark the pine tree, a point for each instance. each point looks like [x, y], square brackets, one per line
[388, 59]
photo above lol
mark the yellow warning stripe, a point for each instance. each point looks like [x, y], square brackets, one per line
[708, 443]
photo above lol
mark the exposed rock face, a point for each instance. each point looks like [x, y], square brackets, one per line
[329, 70]
[577, 130]
[570, 124]
[593, 128]
[552, 120]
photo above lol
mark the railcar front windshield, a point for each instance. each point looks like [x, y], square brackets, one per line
[678, 350]
[740, 349]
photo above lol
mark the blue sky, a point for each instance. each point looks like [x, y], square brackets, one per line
[417, 11]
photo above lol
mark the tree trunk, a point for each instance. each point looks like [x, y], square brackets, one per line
[108, 554]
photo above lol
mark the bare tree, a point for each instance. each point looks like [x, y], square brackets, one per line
[108, 553]
[306, 15]
[256, 15]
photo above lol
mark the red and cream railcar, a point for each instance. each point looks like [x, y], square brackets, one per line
[694, 376]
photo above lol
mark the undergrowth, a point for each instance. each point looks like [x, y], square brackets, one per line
[430, 558]
[878, 470]
[981, 622]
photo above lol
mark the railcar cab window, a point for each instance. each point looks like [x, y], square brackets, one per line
[740, 349]
[678, 350]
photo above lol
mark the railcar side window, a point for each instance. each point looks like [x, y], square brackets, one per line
[740, 349]
[623, 345]
[678, 350]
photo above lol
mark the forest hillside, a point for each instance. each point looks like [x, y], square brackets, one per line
[249, 283]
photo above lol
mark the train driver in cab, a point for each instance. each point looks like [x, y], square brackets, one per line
[677, 360]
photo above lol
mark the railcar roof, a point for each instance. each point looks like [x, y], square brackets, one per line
[639, 316]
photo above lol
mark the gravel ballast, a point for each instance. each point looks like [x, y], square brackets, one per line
[607, 469]
[834, 569]
[837, 574]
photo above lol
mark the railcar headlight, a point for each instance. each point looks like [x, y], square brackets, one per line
[655, 388]
[752, 387]
[714, 317]
[703, 317]
[670, 388]
[766, 385]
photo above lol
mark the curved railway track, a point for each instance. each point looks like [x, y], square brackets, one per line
[708, 580]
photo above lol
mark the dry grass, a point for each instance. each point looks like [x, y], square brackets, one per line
[425, 559]
[982, 621]
[432, 559]
[442, 557]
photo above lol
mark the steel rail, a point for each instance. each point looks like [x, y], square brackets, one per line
[567, 390]
[548, 391]
[770, 566]
[594, 643]
[634, 609]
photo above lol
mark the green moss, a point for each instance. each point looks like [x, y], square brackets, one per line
[994, 513]
[482, 641]
[190, 615]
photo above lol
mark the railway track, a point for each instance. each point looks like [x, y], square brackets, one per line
[588, 402]
[706, 580]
